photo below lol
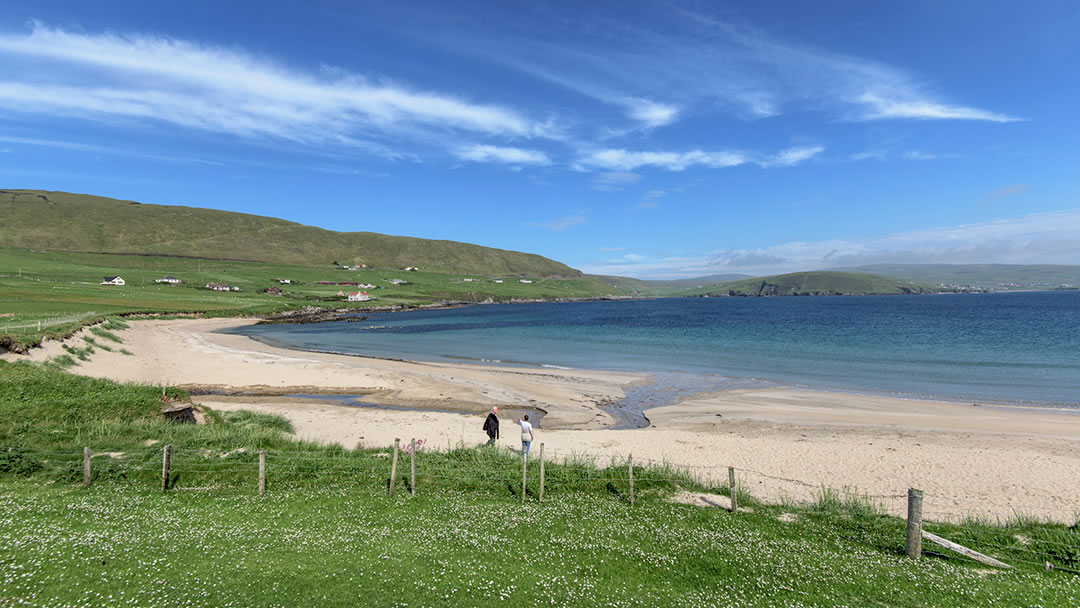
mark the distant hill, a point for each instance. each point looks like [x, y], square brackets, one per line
[38, 219]
[988, 276]
[813, 284]
[647, 287]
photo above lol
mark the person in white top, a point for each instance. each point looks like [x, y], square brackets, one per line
[526, 435]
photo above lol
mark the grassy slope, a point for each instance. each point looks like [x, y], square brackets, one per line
[644, 287]
[812, 283]
[326, 534]
[79, 222]
[987, 275]
[37, 284]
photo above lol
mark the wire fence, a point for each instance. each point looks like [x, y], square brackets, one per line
[41, 323]
[247, 471]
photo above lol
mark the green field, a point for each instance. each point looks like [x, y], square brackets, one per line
[327, 534]
[48, 286]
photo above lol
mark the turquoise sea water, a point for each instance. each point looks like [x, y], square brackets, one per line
[1019, 348]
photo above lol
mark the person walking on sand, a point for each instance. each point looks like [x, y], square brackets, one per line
[526, 435]
[491, 425]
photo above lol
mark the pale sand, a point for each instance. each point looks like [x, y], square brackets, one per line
[986, 461]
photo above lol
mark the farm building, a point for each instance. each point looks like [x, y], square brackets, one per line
[171, 280]
[218, 286]
[112, 281]
[359, 296]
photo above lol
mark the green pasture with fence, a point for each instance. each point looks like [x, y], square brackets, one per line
[323, 529]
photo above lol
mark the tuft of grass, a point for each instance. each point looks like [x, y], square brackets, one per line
[104, 333]
[95, 344]
[247, 419]
[59, 362]
[114, 323]
[124, 351]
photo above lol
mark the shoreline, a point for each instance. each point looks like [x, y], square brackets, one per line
[786, 442]
[1070, 408]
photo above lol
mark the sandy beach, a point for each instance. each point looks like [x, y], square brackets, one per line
[786, 443]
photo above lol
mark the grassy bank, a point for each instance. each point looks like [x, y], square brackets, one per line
[326, 533]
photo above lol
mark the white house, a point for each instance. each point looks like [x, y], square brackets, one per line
[112, 281]
[525, 281]
[468, 280]
[366, 286]
[497, 281]
[218, 286]
[171, 280]
[411, 268]
[285, 281]
[359, 296]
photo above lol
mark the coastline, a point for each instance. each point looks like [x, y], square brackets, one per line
[786, 442]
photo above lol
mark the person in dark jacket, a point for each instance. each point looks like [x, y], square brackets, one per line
[491, 425]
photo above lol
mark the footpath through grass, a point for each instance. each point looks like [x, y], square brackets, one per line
[327, 534]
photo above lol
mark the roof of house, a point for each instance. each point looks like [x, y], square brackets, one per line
[170, 277]
[111, 278]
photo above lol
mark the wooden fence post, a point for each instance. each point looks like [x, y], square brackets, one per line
[393, 467]
[262, 472]
[166, 463]
[630, 463]
[541, 472]
[524, 469]
[86, 467]
[412, 466]
[731, 489]
[913, 546]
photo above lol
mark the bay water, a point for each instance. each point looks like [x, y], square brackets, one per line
[1004, 348]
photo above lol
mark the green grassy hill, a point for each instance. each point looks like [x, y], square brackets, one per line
[813, 284]
[669, 287]
[37, 219]
[989, 276]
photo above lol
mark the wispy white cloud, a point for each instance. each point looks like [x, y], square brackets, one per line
[137, 77]
[1002, 193]
[562, 223]
[630, 160]
[613, 180]
[1042, 238]
[482, 153]
[98, 149]
[902, 104]
[701, 63]
[792, 156]
[611, 248]
[651, 113]
[627, 160]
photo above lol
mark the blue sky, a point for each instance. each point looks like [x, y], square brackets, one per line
[648, 139]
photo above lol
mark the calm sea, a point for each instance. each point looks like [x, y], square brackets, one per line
[1021, 348]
